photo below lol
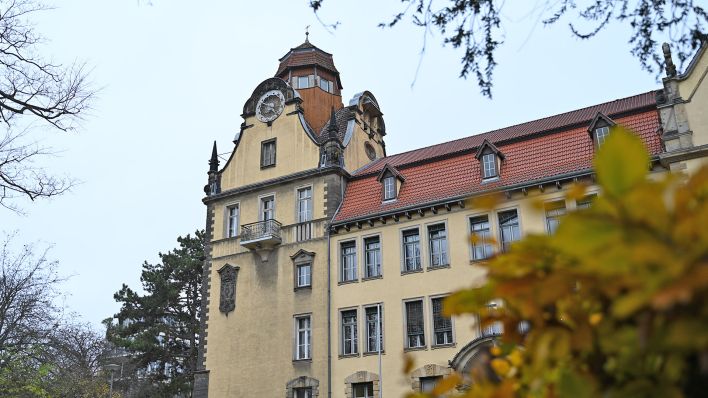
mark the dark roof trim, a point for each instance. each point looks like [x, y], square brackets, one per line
[694, 61]
[600, 116]
[390, 169]
[488, 145]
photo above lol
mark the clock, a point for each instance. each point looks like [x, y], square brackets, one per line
[270, 106]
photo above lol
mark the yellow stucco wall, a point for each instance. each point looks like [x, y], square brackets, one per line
[694, 89]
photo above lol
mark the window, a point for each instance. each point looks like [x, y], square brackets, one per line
[374, 327]
[585, 202]
[268, 153]
[349, 333]
[495, 328]
[372, 249]
[601, 135]
[231, 221]
[442, 325]
[411, 250]
[303, 277]
[481, 235]
[303, 337]
[267, 208]
[305, 392]
[363, 390]
[427, 384]
[509, 226]
[415, 326]
[554, 212]
[489, 165]
[348, 262]
[437, 239]
[389, 185]
[326, 85]
[305, 81]
[304, 204]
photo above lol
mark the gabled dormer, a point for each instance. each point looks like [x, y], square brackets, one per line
[391, 181]
[490, 159]
[599, 129]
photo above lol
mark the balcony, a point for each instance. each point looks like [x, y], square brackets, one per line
[261, 236]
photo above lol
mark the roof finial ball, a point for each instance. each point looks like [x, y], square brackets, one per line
[307, 34]
[670, 67]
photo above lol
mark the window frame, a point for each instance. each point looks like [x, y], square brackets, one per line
[308, 334]
[445, 248]
[306, 390]
[406, 334]
[586, 201]
[228, 217]
[264, 143]
[354, 340]
[261, 209]
[366, 391]
[489, 158]
[553, 212]
[423, 380]
[389, 187]
[404, 258]
[298, 200]
[364, 245]
[490, 234]
[503, 245]
[381, 326]
[297, 275]
[342, 271]
[600, 139]
[433, 341]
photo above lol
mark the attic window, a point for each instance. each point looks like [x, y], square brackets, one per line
[601, 135]
[389, 186]
[489, 165]
[303, 81]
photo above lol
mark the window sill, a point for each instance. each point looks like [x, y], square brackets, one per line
[437, 267]
[267, 166]
[370, 353]
[490, 179]
[371, 278]
[343, 356]
[414, 271]
[303, 288]
[387, 201]
[423, 348]
[347, 282]
[481, 261]
[438, 346]
[306, 360]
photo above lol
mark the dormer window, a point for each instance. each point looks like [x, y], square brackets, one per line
[389, 187]
[391, 181]
[490, 158]
[489, 165]
[600, 129]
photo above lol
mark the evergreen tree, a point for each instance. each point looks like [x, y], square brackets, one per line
[160, 329]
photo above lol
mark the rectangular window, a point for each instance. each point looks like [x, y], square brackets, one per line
[267, 208]
[305, 392]
[303, 277]
[480, 236]
[442, 325]
[374, 327]
[304, 204]
[303, 82]
[232, 221]
[489, 165]
[554, 212]
[411, 250]
[585, 202]
[372, 248]
[303, 337]
[363, 390]
[427, 384]
[415, 325]
[348, 261]
[509, 227]
[389, 185]
[601, 135]
[326, 85]
[437, 239]
[268, 153]
[350, 343]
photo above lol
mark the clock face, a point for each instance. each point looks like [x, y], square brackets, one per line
[270, 106]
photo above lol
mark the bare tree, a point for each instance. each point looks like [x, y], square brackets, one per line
[32, 89]
[475, 26]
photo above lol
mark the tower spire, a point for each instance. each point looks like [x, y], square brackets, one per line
[307, 34]
[214, 161]
[333, 129]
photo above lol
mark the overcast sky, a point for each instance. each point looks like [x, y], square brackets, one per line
[174, 75]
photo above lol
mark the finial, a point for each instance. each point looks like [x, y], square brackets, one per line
[214, 161]
[332, 129]
[307, 34]
[670, 67]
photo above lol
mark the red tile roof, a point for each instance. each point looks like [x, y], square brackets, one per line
[306, 54]
[449, 170]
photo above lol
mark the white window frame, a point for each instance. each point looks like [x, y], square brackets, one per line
[380, 325]
[601, 134]
[304, 333]
[553, 212]
[306, 214]
[366, 256]
[232, 229]
[501, 229]
[484, 246]
[489, 165]
[404, 268]
[445, 247]
[342, 270]
[433, 341]
[389, 187]
[406, 338]
[353, 338]
[261, 208]
[304, 280]
[264, 145]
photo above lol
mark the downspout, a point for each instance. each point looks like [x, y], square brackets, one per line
[329, 292]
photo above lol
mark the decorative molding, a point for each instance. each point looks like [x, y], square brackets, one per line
[227, 299]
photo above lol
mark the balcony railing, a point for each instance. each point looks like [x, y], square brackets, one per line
[261, 234]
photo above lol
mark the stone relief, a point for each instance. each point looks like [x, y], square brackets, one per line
[227, 299]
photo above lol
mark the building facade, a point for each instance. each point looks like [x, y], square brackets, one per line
[327, 260]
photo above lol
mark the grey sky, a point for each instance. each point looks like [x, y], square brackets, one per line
[174, 77]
